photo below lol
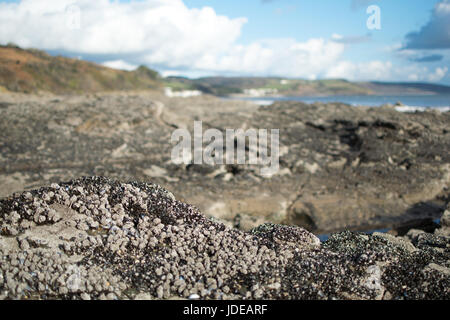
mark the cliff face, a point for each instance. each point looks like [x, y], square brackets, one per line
[32, 71]
[95, 238]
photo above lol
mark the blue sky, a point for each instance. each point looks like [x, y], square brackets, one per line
[303, 19]
[286, 38]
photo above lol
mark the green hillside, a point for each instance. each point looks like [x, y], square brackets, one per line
[223, 86]
[32, 71]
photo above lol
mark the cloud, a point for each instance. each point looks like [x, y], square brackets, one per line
[374, 70]
[351, 39]
[385, 71]
[164, 30]
[436, 33]
[438, 74]
[175, 39]
[119, 64]
[164, 34]
[284, 57]
[428, 58]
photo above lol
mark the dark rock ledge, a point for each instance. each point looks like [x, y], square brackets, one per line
[94, 238]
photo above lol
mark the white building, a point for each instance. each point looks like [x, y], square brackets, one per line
[181, 94]
[261, 92]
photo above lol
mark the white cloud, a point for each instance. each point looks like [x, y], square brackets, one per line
[165, 30]
[385, 71]
[175, 39]
[438, 74]
[373, 70]
[163, 33]
[351, 39]
[119, 64]
[285, 57]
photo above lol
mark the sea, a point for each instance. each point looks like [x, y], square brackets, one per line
[409, 103]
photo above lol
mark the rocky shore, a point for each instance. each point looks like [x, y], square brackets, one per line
[95, 238]
[341, 167]
[233, 234]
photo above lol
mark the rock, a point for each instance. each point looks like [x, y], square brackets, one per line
[374, 281]
[302, 214]
[333, 156]
[445, 219]
[85, 296]
[311, 168]
[339, 164]
[397, 241]
[438, 268]
[413, 234]
[286, 235]
[162, 248]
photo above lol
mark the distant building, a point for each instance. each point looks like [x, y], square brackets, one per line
[261, 92]
[181, 94]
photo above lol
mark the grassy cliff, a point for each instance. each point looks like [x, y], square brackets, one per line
[32, 71]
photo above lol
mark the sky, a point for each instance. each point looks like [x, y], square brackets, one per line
[358, 40]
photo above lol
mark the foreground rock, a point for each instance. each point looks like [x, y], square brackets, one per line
[95, 238]
[341, 167]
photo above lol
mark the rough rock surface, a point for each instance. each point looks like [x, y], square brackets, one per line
[94, 238]
[341, 167]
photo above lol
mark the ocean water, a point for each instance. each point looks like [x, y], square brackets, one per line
[410, 102]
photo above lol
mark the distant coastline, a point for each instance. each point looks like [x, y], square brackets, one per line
[33, 71]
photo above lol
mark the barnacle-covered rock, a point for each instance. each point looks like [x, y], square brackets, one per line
[96, 238]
